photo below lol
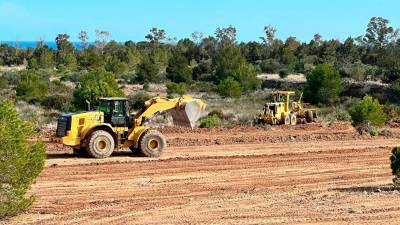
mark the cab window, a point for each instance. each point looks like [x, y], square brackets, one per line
[118, 108]
[105, 107]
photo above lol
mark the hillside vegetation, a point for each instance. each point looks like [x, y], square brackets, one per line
[60, 80]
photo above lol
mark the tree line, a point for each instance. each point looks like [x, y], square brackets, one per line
[220, 60]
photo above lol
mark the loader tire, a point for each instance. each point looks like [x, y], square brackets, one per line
[309, 116]
[152, 143]
[100, 144]
[293, 119]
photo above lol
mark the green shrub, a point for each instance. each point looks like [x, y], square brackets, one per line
[337, 114]
[367, 128]
[146, 86]
[219, 113]
[323, 85]
[210, 121]
[394, 91]
[178, 69]
[95, 84]
[392, 111]
[270, 66]
[175, 88]
[58, 102]
[30, 85]
[395, 165]
[136, 100]
[202, 86]
[20, 161]
[283, 73]
[229, 88]
[368, 110]
[3, 82]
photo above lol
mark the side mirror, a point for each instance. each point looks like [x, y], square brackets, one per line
[87, 105]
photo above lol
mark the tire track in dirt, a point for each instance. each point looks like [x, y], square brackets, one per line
[282, 183]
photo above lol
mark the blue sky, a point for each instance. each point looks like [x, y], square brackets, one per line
[131, 20]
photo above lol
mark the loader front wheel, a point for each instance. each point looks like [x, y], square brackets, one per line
[152, 143]
[101, 144]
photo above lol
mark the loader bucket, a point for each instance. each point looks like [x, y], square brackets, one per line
[187, 114]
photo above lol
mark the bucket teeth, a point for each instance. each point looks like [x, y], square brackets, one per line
[187, 114]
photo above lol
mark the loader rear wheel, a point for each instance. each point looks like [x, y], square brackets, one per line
[101, 144]
[152, 143]
[293, 119]
[309, 116]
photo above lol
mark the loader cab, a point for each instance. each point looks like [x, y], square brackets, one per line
[115, 111]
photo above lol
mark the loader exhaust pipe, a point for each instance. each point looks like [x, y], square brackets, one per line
[87, 106]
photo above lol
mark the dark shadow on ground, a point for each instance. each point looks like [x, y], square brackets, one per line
[369, 189]
[71, 155]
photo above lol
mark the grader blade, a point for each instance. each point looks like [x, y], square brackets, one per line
[187, 114]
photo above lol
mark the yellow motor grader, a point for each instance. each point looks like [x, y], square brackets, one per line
[283, 110]
[99, 132]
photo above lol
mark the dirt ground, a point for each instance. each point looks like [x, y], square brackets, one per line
[312, 174]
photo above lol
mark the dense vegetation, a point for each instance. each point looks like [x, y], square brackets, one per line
[217, 63]
[20, 161]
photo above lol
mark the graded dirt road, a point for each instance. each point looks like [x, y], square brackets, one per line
[342, 178]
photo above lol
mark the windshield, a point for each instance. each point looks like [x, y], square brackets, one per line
[105, 106]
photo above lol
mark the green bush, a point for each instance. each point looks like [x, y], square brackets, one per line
[146, 86]
[394, 91]
[20, 161]
[95, 84]
[219, 113]
[136, 100]
[178, 69]
[323, 85]
[337, 114]
[367, 128]
[30, 85]
[174, 88]
[229, 88]
[395, 165]
[210, 121]
[232, 65]
[202, 86]
[283, 73]
[368, 110]
[57, 102]
[3, 82]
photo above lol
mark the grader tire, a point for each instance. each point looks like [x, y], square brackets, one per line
[286, 120]
[309, 116]
[293, 119]
[152, 143]
[101, 144]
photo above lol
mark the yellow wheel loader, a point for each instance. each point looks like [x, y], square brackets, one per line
[99, 132]
[283, 110]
